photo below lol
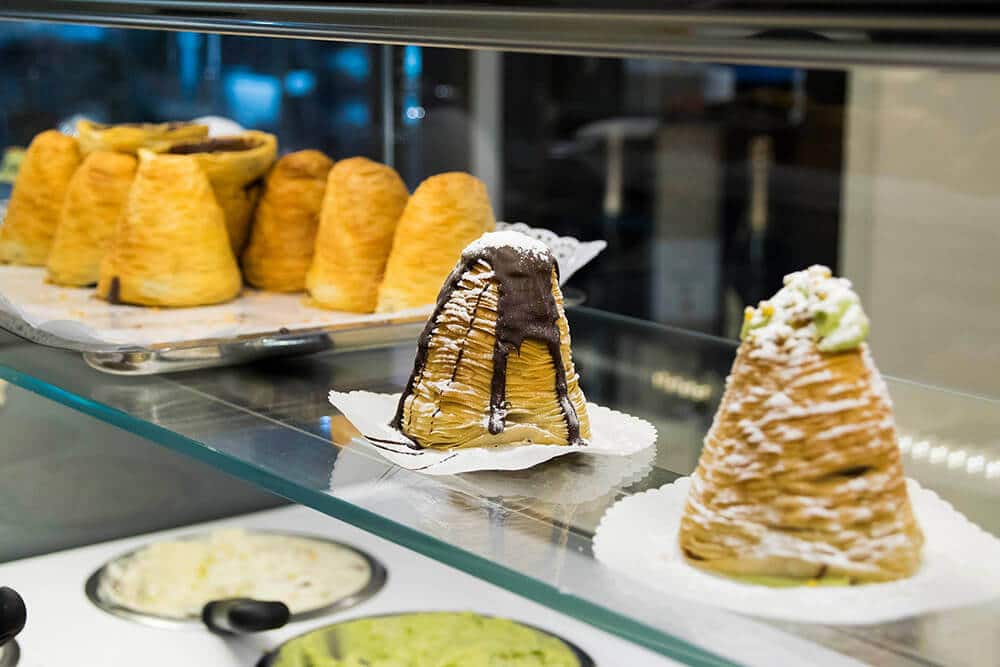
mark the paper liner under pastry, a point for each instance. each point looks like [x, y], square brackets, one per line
[613, 433]
[961, 565]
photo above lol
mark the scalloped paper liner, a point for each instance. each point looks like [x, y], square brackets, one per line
[613, 433]
[961, 565]
[48, 313]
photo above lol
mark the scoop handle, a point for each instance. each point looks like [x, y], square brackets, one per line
[13, 614]
[240, 616]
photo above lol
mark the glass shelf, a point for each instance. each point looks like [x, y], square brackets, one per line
[270, 423]
[827, 33]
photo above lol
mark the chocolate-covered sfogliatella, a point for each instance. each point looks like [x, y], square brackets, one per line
[510, 281]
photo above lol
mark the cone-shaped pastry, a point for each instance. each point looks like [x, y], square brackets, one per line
[800, 477]
[235, 166]
[446, 212]
[493, 363]
[363, 202]
[33, 212]
[170, 248]
[130, 137]
[283, 233]
[93, 204]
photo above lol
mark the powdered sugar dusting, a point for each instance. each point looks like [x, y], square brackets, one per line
[812, 306]
[507, 239]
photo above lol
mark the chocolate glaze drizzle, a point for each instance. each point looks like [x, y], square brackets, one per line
[115, 290]
[526, 309]
[218, 145]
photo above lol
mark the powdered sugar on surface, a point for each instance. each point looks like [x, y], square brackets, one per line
[507, 239]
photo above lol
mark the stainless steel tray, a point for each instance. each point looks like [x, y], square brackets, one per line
[376, 582]
[215, 353]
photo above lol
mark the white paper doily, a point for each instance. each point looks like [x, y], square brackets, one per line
[961, 565]
[613, 433]
[571, 254]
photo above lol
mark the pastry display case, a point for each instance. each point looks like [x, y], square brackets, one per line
[671, 163]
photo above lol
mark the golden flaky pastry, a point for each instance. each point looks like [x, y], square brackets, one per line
[283, 233]
[363, 202]
[130, 137]
[447, 212]
[171, 247]
[235, 167]
[493, 364]
[33, 212]
[94, 202]
[800, 476]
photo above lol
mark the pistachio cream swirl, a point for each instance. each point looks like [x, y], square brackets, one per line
[813, 304]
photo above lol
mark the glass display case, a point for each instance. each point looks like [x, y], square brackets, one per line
[714, 147]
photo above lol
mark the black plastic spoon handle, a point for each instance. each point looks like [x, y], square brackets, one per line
[12, 614]
[239, 616]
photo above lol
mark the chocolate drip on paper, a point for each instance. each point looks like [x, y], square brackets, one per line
[526, 309]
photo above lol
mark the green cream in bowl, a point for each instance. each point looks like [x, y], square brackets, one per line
[433, 639]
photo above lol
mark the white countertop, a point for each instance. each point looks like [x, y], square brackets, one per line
[65, 629]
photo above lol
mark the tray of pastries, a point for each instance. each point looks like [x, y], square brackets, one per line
[156, 247]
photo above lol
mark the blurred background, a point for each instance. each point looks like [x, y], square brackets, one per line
[709, 182]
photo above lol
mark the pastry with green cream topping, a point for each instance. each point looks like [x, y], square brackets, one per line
[800, 480]
[815, 305]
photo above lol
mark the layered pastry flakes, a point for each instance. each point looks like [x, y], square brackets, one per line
[35, 204]
[447, 212]
[493, 364]
[130, 137]
[235, 167]
[283, 233]
[90, 212]
[363, 202]
[171, 246]
[800, 476]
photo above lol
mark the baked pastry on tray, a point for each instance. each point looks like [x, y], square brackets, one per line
[33, 211]
[283, 233]
[362, 205]
[445, 213]
[235, 166]
[493, 364]
[800, 477]
[90, 212]
[130, 137]
[170, 247]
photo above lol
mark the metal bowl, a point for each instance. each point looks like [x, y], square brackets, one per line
[10, 654]
[375, 583]
[583, 659]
